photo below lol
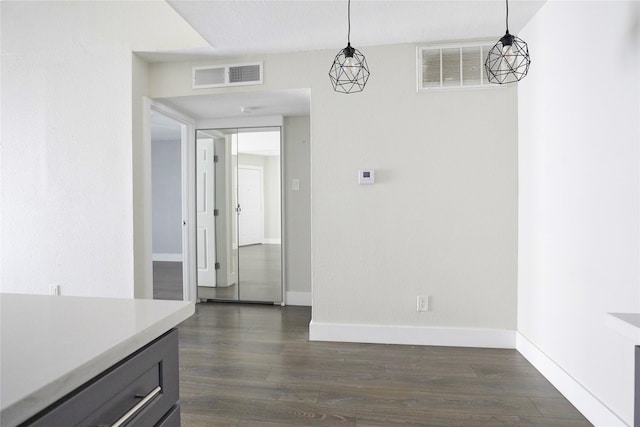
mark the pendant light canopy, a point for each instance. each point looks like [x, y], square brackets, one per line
[508, 61]
[349, 72]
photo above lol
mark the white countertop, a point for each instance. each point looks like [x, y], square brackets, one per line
[627, 324]
[50, 345]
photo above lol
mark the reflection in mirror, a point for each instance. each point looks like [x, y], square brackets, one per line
[216, 200]
[238, 197]
[259, 219]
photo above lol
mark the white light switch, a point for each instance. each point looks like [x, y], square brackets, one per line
[366, 176]
[295, 184]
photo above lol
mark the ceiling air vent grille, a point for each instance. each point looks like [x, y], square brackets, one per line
[245, 73]
[452, 66]
[227, 75]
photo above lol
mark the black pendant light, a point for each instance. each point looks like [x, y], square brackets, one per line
[349, 72]
[508, 61]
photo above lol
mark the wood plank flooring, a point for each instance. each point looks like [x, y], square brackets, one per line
[260, 278]
[249, 365]
[260, 273]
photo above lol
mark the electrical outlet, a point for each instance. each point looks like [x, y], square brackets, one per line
[54, 289]
[423, 303]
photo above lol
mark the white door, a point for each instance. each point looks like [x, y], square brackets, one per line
[250, 197]
[206, 242]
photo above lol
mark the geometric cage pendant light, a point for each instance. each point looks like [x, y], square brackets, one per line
[349, 72]
[508, 60]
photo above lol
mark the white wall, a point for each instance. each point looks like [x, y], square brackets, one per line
[273, 200]
[441, 219]
[67, 180]
[141, 158]
[579, 257]
[1, 174]
[297, 147]
[166, 194]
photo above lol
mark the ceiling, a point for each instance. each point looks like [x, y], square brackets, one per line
[293, 102]
[249, 27]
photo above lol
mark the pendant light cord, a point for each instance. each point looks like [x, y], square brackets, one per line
[349, 20]
[507, 18]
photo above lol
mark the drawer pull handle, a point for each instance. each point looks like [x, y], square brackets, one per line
[126, 417]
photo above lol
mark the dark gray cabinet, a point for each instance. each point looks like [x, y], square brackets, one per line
[141, 390]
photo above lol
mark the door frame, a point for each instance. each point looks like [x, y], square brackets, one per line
[262, 122]
[189, 291]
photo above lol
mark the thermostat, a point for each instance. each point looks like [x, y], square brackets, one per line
[366, 176]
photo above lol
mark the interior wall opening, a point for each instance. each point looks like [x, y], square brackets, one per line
[239, 214]
[166, 200]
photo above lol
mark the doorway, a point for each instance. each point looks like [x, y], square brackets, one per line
[239, 214]
[170, 258]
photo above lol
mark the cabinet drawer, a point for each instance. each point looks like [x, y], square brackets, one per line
[172, 419]
[148, 378]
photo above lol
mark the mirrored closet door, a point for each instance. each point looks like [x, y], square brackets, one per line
[239, 214]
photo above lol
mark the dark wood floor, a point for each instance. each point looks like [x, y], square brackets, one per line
[252, 365]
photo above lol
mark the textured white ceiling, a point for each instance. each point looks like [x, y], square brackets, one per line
[277, 26]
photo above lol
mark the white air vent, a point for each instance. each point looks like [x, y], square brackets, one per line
[227, 75]
[452, 66]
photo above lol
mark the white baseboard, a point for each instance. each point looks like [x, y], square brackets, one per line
[276, 241]
[589, 405]
[167, 257]
[412, 335]
[298, 298]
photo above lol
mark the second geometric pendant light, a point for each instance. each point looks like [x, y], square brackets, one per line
[508, 61]
[349, 72]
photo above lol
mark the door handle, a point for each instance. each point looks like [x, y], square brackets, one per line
[238, 209]
[133, 411]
